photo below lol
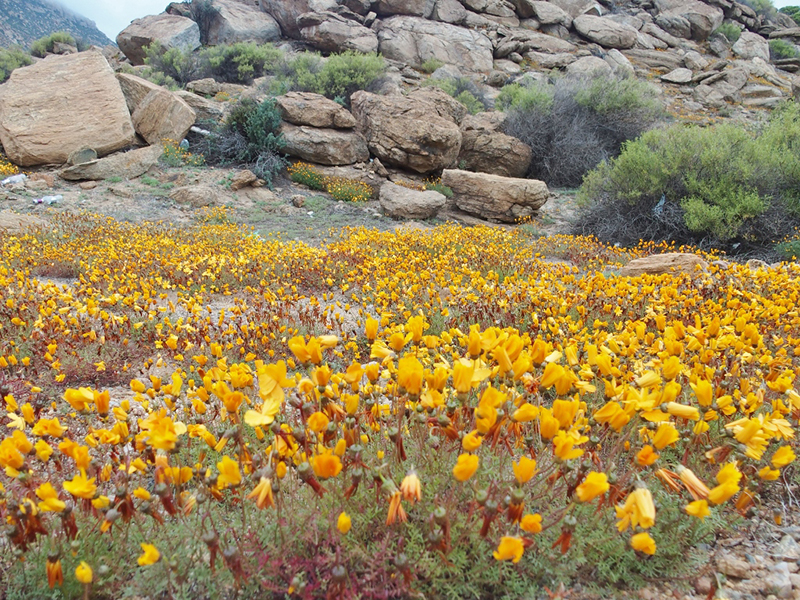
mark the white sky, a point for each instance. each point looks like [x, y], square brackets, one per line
[112, 16]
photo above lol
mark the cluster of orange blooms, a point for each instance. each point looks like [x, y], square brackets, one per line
[455, 369]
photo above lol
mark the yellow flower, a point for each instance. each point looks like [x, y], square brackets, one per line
[371, 329]
[704, 392]
[263, 493]
[697, 488]
[317, 422]
[83, 573]
[646, 456]
[524, 470]
[531, 523]
[228, 473]
[768, 474]
[81, 487]
[642, 542]
[465, 467]
[411, 487]
[343, 523]
[150, 555]
[510, 548]
[410, 374]
[526, 412]
[665, 435]
[723, 493]
[326, 465]
[471, 441]
[48, 427]
[49, 498]
[463, 370]
[782, 457]
[595, 484]
[683, 411]
[698, 508]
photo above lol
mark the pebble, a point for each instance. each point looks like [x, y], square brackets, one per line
[787, 549]
[733, 567]
[778, 581]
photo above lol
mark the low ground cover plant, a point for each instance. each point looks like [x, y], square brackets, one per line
[340, 188]
[721, 186]
[572, 124]
[208, 413]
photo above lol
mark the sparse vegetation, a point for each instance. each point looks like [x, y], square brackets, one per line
[10, 59]
[463, 90]
[340, 188]
[731, 32]
[572, 124]
[718, 187]
[430, 65]
[44, 46]
[779, 49]
[792, 11]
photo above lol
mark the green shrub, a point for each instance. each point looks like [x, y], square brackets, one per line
[430, 65]
[463, 90]
[762, 7]
[10, 59]
[731, 32]
[792, 11]
[437, 186]
[242, 62]
[175, 64]
[249, 136]
[343, 74]
[789, 249]
[779, 49]
[719, 186]
[305, 174]
[572, 124]
[43, 46]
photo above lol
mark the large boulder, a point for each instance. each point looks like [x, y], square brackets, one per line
[171, 31]
[493, 197]
[324, 146]
[548, 13]
[702, 18]
[449, 11]
[413, 40]
[123, 164]
[61, 104]
[204, 109]
[487, 150]
[416, 8]
[314, 110]
[237, 22]
[446, 106]
[400, 202]
[656, 264]
[605, 32]
[330, 32]
[287, 13]
[751, 45]
[163, 115]
[409, 133]
[135, 89]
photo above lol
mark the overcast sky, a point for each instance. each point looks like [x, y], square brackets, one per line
[112, 16]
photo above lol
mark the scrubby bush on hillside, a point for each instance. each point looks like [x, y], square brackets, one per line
[203, 13]
[779, 49]
[173, 63]
[731, 32]
[249, 136]
[10, 59]
[41, 47]
[573, 123]
[720, 186]
[465, 91]
[792, 11]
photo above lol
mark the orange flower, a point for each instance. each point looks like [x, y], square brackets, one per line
[263, 493]
[411, 488]
[326, 465]
[54, 573]
[524, 470]
[531, 523]
[343, 523]
[81, 487]
[465, 467]
[642, 542]
[410, 374]
[646, 456]
[396, 512]
[510, 548]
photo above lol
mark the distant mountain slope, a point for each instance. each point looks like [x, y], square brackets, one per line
[25, 21]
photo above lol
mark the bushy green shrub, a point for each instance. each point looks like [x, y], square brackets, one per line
[10, 59]
[249, 136]
[762, 7]
[430, 65]
[574, 123]
[463, 90]
[43, 46]
[731, 32]
[792, 11]
[175, 64]
[779, 49]
[242, 62]
[719, 186]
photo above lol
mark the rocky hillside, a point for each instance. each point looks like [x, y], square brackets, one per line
[25, 21]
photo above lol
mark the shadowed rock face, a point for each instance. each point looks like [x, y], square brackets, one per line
[61, 104]
[171, 31]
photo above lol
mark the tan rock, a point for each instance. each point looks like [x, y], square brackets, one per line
[324, 146]
[405, 132]
[287, 13]
[243, 179]
[656, 264]
[204, 109]
[196, 196]
[446, 106]
[162, 115]
[605, 32]
[404, 203]
[494, 197]
[314, 110]
[61, 104]
[135, 89]
[330, 32]
[13, 224]
[486, 149]
[238, 22]
[124, 164]
[171, 31]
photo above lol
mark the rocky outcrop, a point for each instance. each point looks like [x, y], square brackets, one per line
[656, 264]
[332, 147]
[689, 19]
[493, 197]
[238, 22]
[162, 115]
[486, 149]
[61, 104]
[204, 109]
[196, 196]
[751, 45]
[605, 32]
[330, 32]
[171, 31]
[314, 110]
[287, 13]
[401, 202]
[123, 164]
[416, 8]
[135, 89]
[407, 133]
[413, 40]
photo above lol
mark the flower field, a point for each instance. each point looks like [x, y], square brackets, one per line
[453, 413]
